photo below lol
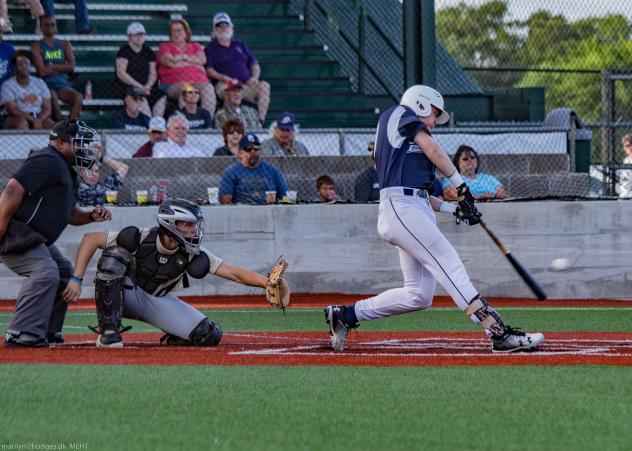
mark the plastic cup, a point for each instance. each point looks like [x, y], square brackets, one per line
[213, 195]
[270, 197]
[141, 196]
[111, 197]
[291, 196]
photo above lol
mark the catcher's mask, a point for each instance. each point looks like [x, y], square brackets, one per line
[82, 140]
[174, 214]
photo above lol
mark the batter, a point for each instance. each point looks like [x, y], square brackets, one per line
[406, 156]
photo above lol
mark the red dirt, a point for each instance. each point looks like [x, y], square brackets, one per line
[363, 349]
[316, 300]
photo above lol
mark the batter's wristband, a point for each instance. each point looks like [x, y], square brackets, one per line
[456, 179]
[447, 207]
[76, 279]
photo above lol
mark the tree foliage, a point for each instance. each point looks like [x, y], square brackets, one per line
[485, 37]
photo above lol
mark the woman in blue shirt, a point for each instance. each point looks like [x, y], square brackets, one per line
[482, 186]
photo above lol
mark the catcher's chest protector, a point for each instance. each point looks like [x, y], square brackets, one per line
[158, 273]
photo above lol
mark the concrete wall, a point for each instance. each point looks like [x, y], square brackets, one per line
[335, 248]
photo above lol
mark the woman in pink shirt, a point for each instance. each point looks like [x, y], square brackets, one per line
[181, 61]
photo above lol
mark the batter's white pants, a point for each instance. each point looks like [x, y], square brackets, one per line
[425, 255]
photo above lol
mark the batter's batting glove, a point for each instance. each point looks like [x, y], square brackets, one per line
[466, 210]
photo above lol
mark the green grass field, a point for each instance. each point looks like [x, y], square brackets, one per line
[327, 408]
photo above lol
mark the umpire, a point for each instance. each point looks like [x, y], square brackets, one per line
[35, 207]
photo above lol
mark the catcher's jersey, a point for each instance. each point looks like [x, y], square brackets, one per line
[399, 160]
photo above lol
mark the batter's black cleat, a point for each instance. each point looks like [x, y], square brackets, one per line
[338, 329]
[55, 337]
[516, 340]
[24, 341]
[110, 339]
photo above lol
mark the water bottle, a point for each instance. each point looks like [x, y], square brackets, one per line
[87, 93]
[153, 193]
[162, 192]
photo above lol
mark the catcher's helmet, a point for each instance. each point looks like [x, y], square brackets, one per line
[82, 139]
[421, 99]
[176, 210]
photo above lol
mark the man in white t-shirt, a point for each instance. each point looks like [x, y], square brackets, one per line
[176, 145]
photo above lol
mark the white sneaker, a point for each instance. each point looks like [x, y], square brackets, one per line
[516, 340]
[337, 329]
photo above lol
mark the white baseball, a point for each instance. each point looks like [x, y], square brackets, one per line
[560, 264]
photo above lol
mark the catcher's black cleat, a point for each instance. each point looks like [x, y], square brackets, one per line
[110, 339]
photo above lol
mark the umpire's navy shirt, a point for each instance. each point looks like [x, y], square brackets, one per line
[399, 161]
[50, 199]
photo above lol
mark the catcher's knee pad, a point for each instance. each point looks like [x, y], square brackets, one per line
[207, 333]
[488, 317]
[108, 290]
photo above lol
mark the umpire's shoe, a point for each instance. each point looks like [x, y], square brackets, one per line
[516, 340]
[55, 337]
[24, 340]
[338, 329]
[110, 339]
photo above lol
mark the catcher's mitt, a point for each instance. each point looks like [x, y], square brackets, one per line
[277, 289]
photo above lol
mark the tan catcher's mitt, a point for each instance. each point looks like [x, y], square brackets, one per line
[277, 289]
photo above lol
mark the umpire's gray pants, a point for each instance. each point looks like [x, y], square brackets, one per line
[39, 308]
[168, 313]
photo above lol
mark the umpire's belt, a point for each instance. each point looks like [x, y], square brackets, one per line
[399, 191]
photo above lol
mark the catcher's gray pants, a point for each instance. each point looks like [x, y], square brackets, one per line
[168, 313]
[39, 308]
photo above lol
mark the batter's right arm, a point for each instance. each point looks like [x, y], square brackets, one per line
[89, 244]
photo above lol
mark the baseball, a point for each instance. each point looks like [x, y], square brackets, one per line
[560, 264]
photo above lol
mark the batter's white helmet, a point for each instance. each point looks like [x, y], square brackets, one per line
[421, 99]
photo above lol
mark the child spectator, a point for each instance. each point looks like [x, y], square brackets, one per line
[54, 61]
[325, 190]
[91, 192]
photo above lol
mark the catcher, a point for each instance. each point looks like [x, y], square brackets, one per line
[139, 268]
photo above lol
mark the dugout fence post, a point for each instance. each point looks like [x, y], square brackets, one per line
[607, 135]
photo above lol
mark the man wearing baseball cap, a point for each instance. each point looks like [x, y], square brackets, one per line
[136, 66]
[234, 109]
[229, 59]
[283, 142]
[251, 180]
[130, 117]
[157, 129]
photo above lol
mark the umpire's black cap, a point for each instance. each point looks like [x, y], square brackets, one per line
[64, 130]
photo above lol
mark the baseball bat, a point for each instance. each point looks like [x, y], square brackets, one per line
[519, 267]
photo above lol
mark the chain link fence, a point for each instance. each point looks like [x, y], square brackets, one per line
[538, 89]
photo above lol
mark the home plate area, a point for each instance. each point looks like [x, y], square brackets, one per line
[364, 348]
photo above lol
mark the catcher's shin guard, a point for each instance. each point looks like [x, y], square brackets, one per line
[109, 295]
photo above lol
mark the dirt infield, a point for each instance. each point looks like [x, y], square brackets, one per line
[363, 349]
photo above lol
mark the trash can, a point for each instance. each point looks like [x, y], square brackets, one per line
[562, 117]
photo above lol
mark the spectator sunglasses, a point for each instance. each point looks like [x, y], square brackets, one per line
[251, 148]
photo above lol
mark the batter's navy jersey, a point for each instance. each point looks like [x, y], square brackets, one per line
[399, 161]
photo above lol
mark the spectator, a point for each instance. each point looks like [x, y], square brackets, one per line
[625, 175]
[282, 142]
[232, 131]
[197, 116]
[233, 108]
[136, 65]
[90, 191]
[247, 181]
[176, 145]
[82, 19]
[366, 186]
[325, 190]
[26, 98]
[482, 186]
[181, 61]
[157, 128]
[54, 61]
[6, 60]
[130, 117]
[5, 23]
[228, 59]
